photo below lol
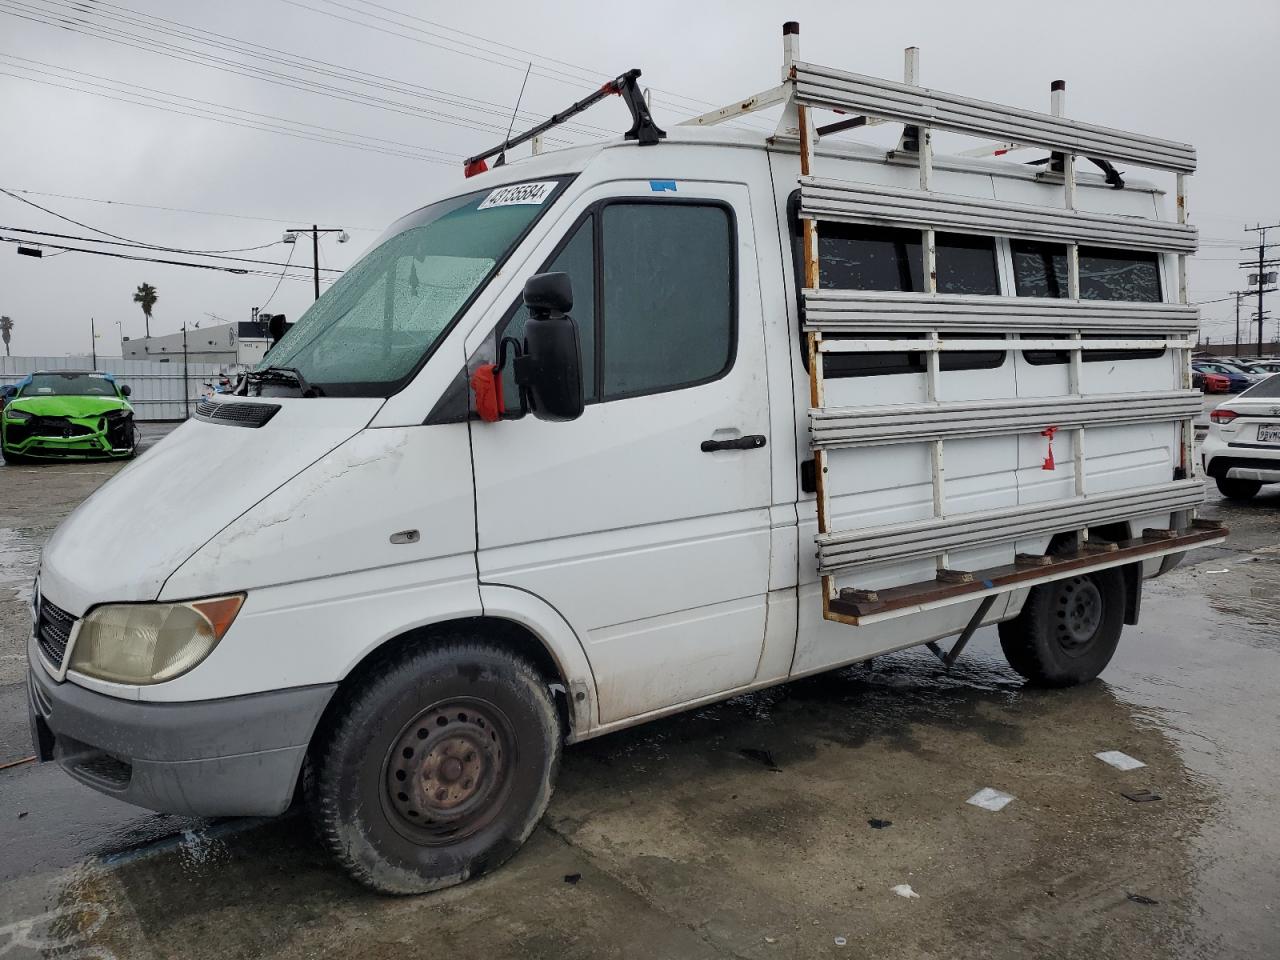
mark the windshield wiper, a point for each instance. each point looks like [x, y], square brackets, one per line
[285, 375]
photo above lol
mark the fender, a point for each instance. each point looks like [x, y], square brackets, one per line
[561, 641]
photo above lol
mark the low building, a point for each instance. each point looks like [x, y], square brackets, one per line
[233, 344]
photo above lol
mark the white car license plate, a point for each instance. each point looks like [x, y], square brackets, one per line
[1268, 434]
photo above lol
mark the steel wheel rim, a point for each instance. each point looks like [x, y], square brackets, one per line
[447, 772]
[1079, 611]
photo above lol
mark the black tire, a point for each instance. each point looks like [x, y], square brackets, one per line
[435, 767]
[1241, 490]
[1068, 630]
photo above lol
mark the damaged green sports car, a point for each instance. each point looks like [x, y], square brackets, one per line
[67, 415]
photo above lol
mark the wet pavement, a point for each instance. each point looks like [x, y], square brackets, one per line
[745, 829]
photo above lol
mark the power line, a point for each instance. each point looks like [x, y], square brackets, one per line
[591, 74]
[325, 67]
[151, 246]
[210, 105]
[86, 226]
[262, 128]
[250, 70]
[280, 279]
[153, 206]
[242, 271]
[548, 73]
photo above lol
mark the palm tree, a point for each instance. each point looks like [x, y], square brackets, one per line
[6, 327]
[146, 296]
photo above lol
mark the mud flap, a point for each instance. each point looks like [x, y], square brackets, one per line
[1132, 592]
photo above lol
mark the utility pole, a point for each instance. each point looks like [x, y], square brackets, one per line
[1239, 294]
[1261, 278]
[93, 343]
[186, 389]
[291, 236]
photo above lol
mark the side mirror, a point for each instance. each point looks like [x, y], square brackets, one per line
[124, 390]
[275, 327]
[550, 369]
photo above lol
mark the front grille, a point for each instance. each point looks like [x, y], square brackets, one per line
[56, 427]
[235, 414]
[53, 630]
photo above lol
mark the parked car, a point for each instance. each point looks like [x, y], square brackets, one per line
[67, 415]
[1264, 367]
[1242, 449]
[1210, 382]
[562, 454]
[1237, 380]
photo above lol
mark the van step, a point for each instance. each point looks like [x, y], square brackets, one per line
[897, 601]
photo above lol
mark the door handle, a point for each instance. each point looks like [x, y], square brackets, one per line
[753, 441]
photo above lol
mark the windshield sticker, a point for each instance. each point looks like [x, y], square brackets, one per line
[532, 194]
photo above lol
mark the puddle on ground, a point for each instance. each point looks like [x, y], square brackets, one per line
[19, 556]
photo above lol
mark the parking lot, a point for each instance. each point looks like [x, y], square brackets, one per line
[775, 824]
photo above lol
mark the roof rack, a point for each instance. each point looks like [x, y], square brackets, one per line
[848, 321]
[643, 130]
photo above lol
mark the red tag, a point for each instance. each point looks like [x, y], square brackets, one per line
[1048, 461]
[486, 383]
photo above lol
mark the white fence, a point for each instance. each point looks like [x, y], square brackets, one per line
[158, 389]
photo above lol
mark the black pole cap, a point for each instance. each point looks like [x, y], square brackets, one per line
[790, 27]
[1058, 85]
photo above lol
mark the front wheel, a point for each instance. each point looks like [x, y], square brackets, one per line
[1241, 490]
[1068, 630]
[436, 766]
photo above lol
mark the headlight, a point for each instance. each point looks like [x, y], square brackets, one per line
[142, 643]
[17, 416]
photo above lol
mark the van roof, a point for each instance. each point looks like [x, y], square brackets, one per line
[574, 159]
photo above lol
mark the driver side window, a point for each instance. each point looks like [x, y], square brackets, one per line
[653, 297]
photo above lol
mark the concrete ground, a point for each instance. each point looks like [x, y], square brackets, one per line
[675, 840]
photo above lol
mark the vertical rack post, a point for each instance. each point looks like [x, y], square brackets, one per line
[929, 248]
[1057, 106]
[817, 395]
[1184, 355]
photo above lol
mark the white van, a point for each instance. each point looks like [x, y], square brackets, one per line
[417, 574]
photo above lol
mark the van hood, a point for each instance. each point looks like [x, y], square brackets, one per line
[65, 406]
[125, 540]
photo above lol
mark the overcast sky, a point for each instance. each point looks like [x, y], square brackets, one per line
[1200, 72]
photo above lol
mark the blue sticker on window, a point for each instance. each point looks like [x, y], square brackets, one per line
[658, 186]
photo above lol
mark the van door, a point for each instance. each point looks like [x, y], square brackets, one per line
[646, 521]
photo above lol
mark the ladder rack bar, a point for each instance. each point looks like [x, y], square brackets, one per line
[900, 345]
[879, 424]
[855, 202]
[867, 311]
[832, 89]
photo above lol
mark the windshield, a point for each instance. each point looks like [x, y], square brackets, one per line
[1269, 387]
[372, 330]
[68, 385]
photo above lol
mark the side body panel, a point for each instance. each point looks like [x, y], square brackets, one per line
[655, 551]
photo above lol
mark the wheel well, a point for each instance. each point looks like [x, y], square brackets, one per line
[1117, 532]
[505, 633]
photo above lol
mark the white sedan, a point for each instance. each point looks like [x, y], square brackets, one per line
[1242, 449]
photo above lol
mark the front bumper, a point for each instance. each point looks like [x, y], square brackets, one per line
[70, 438]
[234, 757]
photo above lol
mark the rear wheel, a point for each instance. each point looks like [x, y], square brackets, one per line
[1241, 490]
[436, 767]
[1068, 630]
